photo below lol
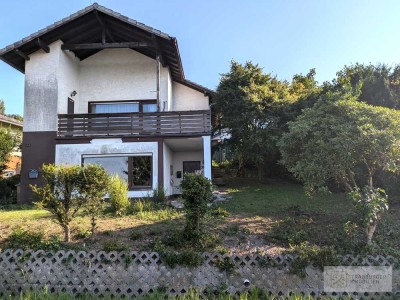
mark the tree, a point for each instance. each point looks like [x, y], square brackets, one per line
[245, 104]
[93, 188]
[197, 193]
[344, 141]
[67, 189]
[379, 84]
[7, 144]
[16, 117]
[60, 194]
[2, 107]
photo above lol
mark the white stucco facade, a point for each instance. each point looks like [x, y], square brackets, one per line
[70, 154]
[109, 75]
[186, 98]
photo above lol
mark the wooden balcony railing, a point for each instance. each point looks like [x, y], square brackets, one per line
[172, 123]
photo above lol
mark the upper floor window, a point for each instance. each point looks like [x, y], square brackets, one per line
[123, 106]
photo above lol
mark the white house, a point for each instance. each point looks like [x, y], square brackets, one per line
[103, 88]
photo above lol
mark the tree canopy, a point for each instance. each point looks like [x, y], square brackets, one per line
[254, 108]
[342, 140]
[379, 84]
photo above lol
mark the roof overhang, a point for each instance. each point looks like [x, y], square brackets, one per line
[98, 25]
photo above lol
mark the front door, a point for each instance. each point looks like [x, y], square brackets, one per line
[191, 166]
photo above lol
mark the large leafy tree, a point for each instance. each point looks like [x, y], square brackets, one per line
[254, 108]
[379, 84]
[348, 142]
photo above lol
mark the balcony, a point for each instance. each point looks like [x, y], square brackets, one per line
[174, 123]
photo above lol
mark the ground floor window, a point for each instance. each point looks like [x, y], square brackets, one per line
[136, 170]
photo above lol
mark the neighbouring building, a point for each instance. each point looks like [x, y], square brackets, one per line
[14, 126]
[103, 88]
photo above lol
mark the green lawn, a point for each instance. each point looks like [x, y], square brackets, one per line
[264, 200]
[268, 217]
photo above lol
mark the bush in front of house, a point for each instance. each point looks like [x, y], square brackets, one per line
[8, 190]
[93, 188]
[158, 196]
[32, 240]
[197, 194]
[67, 189]
[118, 196]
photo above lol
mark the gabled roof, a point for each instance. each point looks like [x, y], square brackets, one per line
[87, 26]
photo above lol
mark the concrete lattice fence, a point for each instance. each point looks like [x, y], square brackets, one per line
[132, 274]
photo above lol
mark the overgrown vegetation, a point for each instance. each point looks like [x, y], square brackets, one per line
[8, 190]
[67, 189]
[94, 185]
[118, 196]
[8, 142]
[33, 240]
[160, 293]
[197, 194]
[345, 142]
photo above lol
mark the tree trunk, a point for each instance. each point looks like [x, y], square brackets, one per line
[93, 225]
[240, 171]
[370, 181]
[369, 231]
[67, 233]
[260, 173]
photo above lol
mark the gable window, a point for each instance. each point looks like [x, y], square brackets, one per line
[123, 106]
[136, 170]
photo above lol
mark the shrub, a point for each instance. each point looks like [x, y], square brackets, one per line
[93, 188]
[159, 197]
[81, 233]
[67, 189]
[118, 196]
[196, 191]
[313, 255]
[33, 240]
[114, 245]
[141, 205]
[60, 194]
[371, 203]
[186, 258]
[8, 190]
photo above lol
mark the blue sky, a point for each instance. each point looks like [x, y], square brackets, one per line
[284, 37]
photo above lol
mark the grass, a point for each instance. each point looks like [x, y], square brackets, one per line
[264, 200]
[254, 294]
[268, 218]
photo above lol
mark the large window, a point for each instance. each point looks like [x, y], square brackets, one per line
[136, 170]
[123, 106]
[140, 168]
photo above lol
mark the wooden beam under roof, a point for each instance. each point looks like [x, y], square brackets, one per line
[95, 46]
[43, 45]
[22, 54]
[104, 27]
[159, 55]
